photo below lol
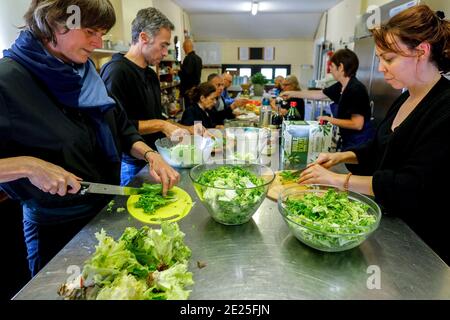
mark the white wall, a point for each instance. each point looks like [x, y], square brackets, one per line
[293, 52]
[341, 22]
[443, 5]
[129, 10]
[11, 17]
[175, 15]
[126, 11]
[117, 32]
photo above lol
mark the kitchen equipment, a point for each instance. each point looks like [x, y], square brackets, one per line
[232, 198]
[192, 150]
[172, 212]
[329, 230]
[90, 187]
[245, 144]
[278, 185]
[265, 116]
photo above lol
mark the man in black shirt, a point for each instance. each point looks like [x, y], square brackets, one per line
[130, 80]
[191, 69]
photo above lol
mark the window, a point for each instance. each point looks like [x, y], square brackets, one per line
[281, 72]
[245, 72]
[267, 72]
[270, 71]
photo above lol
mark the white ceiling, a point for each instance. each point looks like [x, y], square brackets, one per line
[276, 19]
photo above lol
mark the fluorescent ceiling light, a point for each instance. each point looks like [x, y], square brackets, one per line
[254, 8]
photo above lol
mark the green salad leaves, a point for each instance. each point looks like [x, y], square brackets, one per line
[145, 264]
[151, 198]
[289, 176]
[231, 193]
[330, 220]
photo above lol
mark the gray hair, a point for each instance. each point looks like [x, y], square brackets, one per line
[293, 81]
[213, 76]
[151, 21]
[45, 16]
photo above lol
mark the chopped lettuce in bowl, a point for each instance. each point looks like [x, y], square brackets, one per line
[327, 219]
[231, 193]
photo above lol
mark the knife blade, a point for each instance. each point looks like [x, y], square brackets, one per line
[91, 187]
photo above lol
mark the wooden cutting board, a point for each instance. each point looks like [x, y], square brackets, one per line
[277, 186]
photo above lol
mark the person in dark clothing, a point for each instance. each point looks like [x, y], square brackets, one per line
[202, 101]
[62, 127]
[191, 68]
[222, 110]
[353, 117]
[411, 146]
[131, 81]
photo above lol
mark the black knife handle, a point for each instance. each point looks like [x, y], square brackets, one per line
[84, 187]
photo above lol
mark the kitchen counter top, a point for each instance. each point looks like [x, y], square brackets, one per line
[262, 260]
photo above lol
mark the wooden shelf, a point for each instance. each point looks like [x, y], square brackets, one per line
[169, 86]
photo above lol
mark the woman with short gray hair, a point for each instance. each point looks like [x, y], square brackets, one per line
[59, 126]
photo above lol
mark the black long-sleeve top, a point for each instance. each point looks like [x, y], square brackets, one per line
[33, 123]
[190, 72]
[137, 89]
[410, 166]
[195, 113]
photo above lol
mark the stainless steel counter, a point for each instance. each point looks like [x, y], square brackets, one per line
[262, 260]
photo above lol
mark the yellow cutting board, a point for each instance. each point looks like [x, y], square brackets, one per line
[277, 186]
[172, 212]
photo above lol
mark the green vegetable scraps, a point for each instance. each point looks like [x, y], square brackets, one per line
[145, 264]
[289, 176]
[151, 198]
[110, 205]
[329, 216]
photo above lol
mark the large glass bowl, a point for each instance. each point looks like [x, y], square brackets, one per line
[245, 144]
[333, 238]
[232, 206]
[187, 153]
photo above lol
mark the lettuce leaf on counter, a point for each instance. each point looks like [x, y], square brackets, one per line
[144, 264]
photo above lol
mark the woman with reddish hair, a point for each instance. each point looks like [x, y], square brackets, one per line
[411, 148]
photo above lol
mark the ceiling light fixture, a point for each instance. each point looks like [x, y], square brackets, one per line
[254, 8]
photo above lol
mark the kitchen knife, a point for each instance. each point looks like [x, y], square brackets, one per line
[90, 187]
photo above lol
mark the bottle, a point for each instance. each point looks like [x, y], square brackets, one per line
[277, 119]
[293, 113]
[265, 115]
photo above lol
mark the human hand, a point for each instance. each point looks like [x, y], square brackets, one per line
[239, 103]
[283, 111]
[316, 174]
[287, 94]
[174, 132]
[49, 177]
[161, 172]
[198, 130]
[323, 119]
[328, 160]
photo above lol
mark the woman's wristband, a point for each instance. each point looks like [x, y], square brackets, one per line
[146, 152]
[347, 180]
